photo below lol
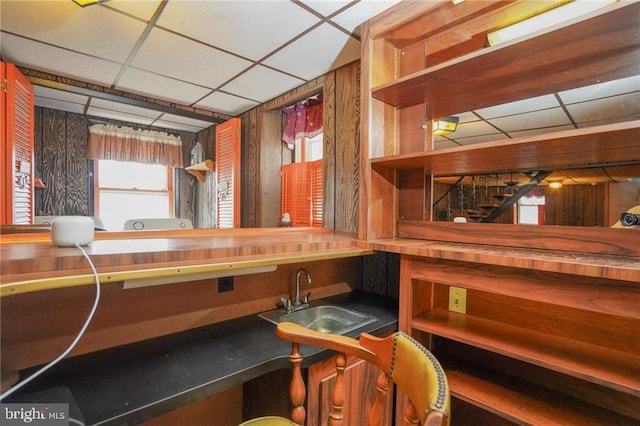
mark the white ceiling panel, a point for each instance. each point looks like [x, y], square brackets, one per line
[119, 116]
[605, 108]
[95, 31]
[525, 105]
[325, 7]
[226, 104]
[59, 105]
[142, 9]
[535, 132]
[46, 92]
[62, 62]
[261, 84]
[470, 140]
[304, 59]
[187, 122]
[602, 90]
[360, 12]
[124, 108]
[189, 61]
[532, 120]
[156, 86]
[238, 26]
[473, 128]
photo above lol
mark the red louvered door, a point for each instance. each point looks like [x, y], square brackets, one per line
[17, 134]
[228, 173]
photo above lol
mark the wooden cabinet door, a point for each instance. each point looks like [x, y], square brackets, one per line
[228, 174]
[360, 388]
[17, 133]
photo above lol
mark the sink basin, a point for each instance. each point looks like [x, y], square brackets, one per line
[322, 318]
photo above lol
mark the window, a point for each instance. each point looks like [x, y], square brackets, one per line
[132, 190]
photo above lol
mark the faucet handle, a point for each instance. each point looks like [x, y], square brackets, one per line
[285, 303]
[306, 298]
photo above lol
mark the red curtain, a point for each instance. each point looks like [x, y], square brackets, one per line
[303, 119]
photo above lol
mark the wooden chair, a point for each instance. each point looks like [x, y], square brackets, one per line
[400, 358]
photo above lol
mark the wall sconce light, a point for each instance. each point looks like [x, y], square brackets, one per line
[545, 20]
[555, 184]
[83, 3]
[445, 125]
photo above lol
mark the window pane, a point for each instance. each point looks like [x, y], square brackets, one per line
[118, 206]
[118, 174]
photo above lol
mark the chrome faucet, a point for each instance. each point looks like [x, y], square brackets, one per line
[297, 301]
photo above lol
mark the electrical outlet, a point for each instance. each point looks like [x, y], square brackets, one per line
[225, 284]
[458, 299]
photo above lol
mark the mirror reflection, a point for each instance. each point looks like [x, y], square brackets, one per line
[595, 195]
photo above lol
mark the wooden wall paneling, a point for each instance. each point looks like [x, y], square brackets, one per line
[185, 183]
[412, 59]
[412, 204]
[54, 153]
[574, 205]
[412, 135]
[205, 210]
[273, 155]
[77, 191]
[37, 159]
[329, 149]
[250, 168]
[347, 147]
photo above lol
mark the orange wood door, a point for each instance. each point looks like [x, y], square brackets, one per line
[228, 174]
[302, 193]
[17, 147]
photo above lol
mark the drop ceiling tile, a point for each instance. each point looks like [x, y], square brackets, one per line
[95, 31]
[59, 105]
[61, 62]
[119, 116]
[303, 58]
[518, 107]
[534, 132]
[362, 11]
[156, 86]
[470, 140]
[124, 108]
[226, 104]
[140, 9]
[324, 7]
[183, 123]
[602, 90]
[261, 84]
[532, 120]
[472, 128]
[47, 92]
[216, 23]
[189, 61]
[605, 108]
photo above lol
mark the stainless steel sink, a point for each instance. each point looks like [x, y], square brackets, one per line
[323, 318]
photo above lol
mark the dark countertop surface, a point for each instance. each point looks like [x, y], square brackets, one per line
[130, 384]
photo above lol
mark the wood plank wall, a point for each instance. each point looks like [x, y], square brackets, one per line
[264, 153]
[60, 161]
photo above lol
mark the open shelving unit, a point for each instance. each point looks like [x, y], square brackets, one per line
[550, 334]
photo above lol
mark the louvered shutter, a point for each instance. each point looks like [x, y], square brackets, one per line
[228, 173]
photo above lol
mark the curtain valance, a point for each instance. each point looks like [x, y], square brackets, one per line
[304, 119]
[109, 142]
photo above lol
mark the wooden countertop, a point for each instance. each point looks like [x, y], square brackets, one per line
[30, 262]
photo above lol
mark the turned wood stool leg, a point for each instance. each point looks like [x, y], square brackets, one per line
[377, 409]
[297, 391]
[337, 399]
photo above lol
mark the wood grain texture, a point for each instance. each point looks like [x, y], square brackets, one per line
[347, 147]
[77, 177]
[329, 150]
[251, 168]
[53, 162]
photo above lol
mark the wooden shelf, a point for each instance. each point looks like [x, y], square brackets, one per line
[524, 405]
[200, 170]
[608, 144]
[601, 48]
[613, 369]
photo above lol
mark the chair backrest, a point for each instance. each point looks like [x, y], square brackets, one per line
[157, 223]
[400, 358]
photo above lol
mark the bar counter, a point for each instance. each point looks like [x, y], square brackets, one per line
[30, 262]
